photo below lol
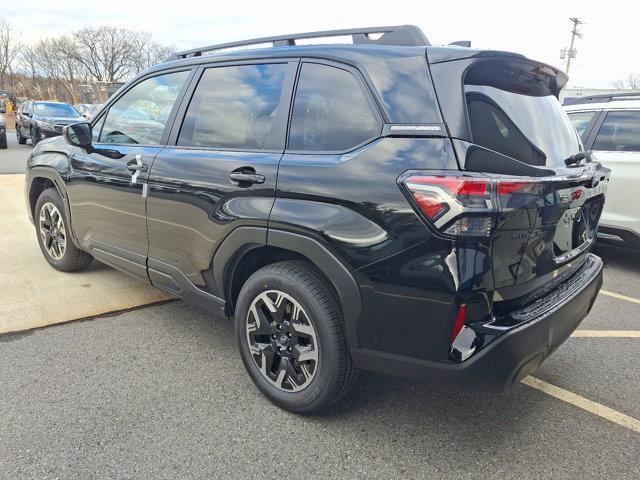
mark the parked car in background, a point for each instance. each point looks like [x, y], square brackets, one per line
[331, 200]
[82, 107]
[91, 111]
[37, 120]
[3, 129]
[610, 126]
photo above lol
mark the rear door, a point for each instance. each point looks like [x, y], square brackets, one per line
[219, 170]
[617, 146]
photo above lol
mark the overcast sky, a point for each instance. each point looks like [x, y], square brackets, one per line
[608, 50]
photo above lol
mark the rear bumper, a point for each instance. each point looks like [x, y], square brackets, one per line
[511, 356]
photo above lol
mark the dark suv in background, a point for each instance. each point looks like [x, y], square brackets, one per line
[40, 120]
[383, 205]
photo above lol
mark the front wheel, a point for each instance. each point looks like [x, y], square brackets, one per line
[21, 140]
[291, 336]
[3, 141]
[52, 229]
[34, 137]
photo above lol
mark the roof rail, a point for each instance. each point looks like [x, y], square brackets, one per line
[408, 35]
[602, 98]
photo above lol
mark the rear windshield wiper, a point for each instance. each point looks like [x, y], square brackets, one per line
[578, 157]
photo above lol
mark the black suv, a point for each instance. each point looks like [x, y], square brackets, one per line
[382, 205]
[40, 120]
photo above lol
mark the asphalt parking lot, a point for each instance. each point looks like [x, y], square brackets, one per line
[160, 392]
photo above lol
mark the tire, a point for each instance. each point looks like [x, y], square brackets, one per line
[3, 141]
[67, 259]
[21, 140]
[316, 384]
[34, 137]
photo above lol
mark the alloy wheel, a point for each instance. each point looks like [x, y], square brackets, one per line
[282, 341]
[52, 231]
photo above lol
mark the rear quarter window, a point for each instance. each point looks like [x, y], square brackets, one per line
[331, 112]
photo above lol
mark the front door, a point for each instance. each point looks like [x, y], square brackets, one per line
[107, 186]
[218, 171]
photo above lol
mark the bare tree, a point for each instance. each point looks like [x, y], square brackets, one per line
[62, 67]
[148, 52]
[10, 46]
[632, 82]
[106, 52]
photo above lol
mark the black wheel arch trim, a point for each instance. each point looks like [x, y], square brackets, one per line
[243, 239]
[52, 174]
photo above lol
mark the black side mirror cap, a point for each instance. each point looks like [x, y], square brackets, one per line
[3, 110]
[78, 135]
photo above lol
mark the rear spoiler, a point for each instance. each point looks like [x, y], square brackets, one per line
[554, 78]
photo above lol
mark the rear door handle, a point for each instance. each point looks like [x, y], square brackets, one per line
[245, 177]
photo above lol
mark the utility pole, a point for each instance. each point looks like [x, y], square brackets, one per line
[571, 52]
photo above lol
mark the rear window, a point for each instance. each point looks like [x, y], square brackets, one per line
[235, 107]
[519, 116]
[620, 132]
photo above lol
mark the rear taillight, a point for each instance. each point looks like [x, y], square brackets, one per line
[465, 205]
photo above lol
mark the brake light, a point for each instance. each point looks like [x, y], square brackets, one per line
[465, 205]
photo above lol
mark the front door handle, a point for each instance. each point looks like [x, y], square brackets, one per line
[135, 167]
[246, 177]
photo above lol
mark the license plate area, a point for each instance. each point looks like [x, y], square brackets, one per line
[576, 230]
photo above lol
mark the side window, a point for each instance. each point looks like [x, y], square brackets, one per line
[330, 111]
[96, 128]
[236, 107]
[140, 115]
[581, 121]
[620, 132]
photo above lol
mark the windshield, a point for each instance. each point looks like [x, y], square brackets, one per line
[55, 110]
[532, 129]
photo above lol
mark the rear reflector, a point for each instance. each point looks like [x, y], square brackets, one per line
[461, 318]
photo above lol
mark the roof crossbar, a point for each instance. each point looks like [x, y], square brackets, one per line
[408, 35]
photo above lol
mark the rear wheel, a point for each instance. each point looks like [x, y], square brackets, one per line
[291, 336]
[21, 140]
[52, 229]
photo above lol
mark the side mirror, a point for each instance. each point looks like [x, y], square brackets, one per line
[26, 114]
[78, 135]
[3, 110]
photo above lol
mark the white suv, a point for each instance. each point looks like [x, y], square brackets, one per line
[610, 126]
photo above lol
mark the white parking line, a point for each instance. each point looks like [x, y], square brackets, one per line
[621, 297]
[584, 403]
[607, 333]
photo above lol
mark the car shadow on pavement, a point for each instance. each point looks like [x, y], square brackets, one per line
[618, 256]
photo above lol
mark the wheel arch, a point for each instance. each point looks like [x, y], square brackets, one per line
[39, 179]
[247, 249]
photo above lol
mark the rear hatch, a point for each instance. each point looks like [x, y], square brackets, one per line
[510, 133]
